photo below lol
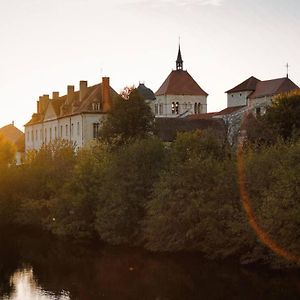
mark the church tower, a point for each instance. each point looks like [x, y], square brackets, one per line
[179, 95]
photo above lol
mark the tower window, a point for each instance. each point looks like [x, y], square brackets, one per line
[161, 109]
[173, 107]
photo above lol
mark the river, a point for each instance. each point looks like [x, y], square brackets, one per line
[36, 266]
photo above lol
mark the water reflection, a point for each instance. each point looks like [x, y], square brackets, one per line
[25, 288]
[36, 266]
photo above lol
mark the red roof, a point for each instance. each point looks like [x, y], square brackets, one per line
[180, 82]
[273, 87]
[247, 85]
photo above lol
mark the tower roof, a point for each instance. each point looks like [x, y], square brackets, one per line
[179, 61]
[247, 85]
[180, 82]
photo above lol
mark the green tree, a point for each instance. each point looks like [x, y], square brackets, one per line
[284, 115]
[126, 190]
[128, 119]
[196, 204]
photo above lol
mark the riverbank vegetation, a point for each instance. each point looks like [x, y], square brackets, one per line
[133, 189]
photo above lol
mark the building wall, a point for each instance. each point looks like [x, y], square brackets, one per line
[78, 129]
[163, 105]
[237, 99]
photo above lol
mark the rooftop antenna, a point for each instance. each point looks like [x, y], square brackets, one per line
[287, 70]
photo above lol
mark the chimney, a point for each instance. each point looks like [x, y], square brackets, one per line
[82, 89]
[38, 106]
[42, 103]
[55, 95]
[70, 93]
[106, 101]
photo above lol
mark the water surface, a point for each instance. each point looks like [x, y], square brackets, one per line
[38, 267]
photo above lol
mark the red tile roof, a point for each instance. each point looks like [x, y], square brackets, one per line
[62, 108]
[247, 85]
[273, 87]
[180, 82]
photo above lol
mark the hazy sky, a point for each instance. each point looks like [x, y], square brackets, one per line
[48, 44]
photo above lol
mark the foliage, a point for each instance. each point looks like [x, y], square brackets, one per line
[283, 115]
[126, 190]
[128, 119]
[7, 152]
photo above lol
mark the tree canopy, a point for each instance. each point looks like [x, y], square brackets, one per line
[129, 118]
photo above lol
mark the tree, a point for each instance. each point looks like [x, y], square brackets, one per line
[129, 118]
[7, 152]
[284, 115]
[126, 189]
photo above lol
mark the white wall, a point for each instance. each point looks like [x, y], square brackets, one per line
[186, 104]
[237, 99]
[77, 129]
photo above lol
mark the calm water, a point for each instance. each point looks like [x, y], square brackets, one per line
[38, 267]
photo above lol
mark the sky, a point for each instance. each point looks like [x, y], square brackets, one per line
[49, 44]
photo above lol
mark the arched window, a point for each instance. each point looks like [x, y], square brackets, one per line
[195, 108]
[161, 109]
[173, 107]
[177, 108]
[199, 108]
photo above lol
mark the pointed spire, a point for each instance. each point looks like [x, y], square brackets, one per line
[179, 61]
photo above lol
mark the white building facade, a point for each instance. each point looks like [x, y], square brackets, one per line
[75, 117]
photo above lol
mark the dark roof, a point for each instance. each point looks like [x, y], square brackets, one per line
[167, 128]
[201, 116]
[247, 85]
[145, 92]
[180, 82]
[229, 110]
[273, 87]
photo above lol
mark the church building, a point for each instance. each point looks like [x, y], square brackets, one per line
[179, 95]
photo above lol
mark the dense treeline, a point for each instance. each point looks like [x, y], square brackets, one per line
[184, 196]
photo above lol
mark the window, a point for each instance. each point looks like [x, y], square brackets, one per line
[258, 111]
[72, 129]
[55, 132]
[50, 134]
[195, 108]
[45, 135]
[41, 135]
[199, 108]
[173, 107]
[155, 109]
[161, 109]
[61, 131]
[95, 130]
[177, 108]
[32, 135]
[36, 135]
[67, 129]
[78, 129]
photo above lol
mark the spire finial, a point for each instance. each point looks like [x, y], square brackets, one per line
[179, 61]
[287, 70]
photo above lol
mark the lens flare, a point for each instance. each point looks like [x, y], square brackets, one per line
[245, 198]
